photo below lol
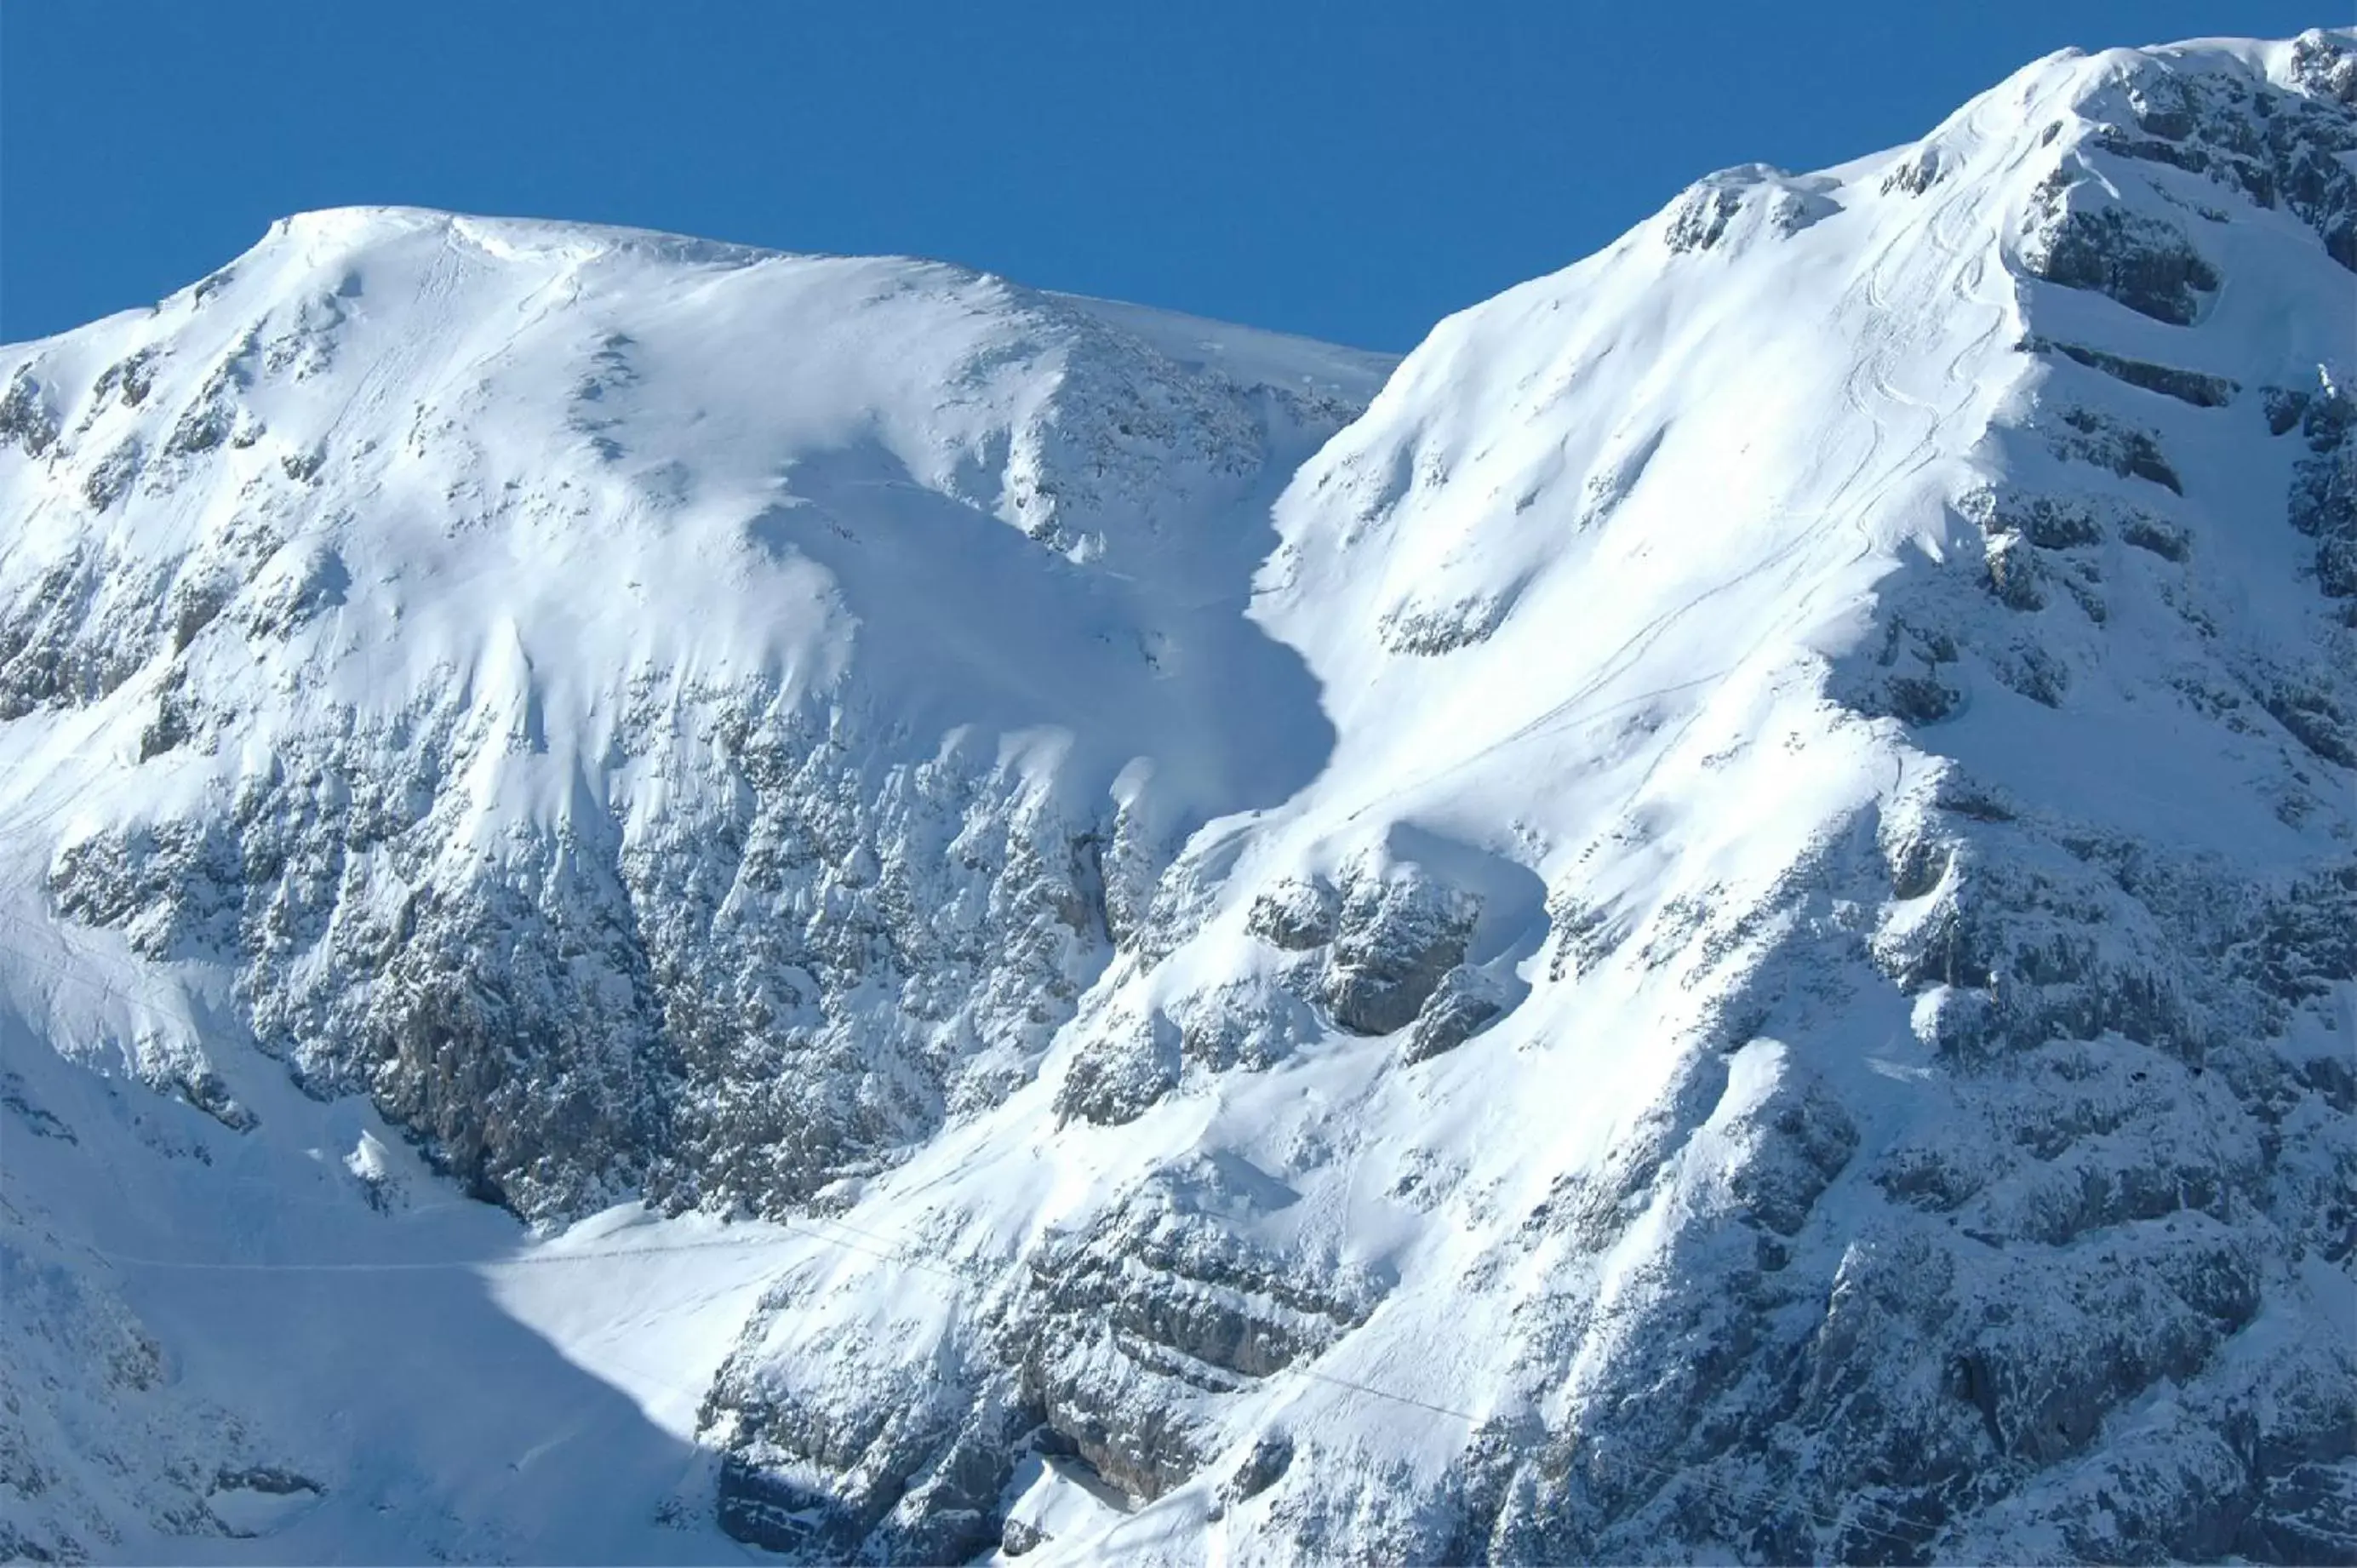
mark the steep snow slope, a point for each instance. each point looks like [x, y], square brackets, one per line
[653, 576]
[217, 1347]
[1853, 688]
[1743, 949]
[652, 716]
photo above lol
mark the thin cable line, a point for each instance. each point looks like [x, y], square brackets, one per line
[1688, 1475]
[900, 1255]
[1465, 1416]
[203, 1265]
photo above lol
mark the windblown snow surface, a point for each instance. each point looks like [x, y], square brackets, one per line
[664, 902]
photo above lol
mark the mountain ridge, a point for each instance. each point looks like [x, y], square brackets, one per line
[1735, 886]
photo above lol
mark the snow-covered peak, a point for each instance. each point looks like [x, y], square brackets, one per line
[1809, 681]
[1714, 925]
[605, 455]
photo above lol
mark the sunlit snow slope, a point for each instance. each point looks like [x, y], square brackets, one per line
[1724, 925]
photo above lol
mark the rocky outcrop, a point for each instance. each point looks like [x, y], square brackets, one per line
[2275, 145]
[1397, 934]
[2185, 386]
[1751, 196]
[2107, 441]
[2323, 501]
[2147, 264]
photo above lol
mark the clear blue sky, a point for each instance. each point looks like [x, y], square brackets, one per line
[1352, 172]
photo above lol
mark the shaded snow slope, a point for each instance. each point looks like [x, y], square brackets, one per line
[701, 594]
[655, 717]
[1893, 1131]
[293, 1342]
[1721, 927]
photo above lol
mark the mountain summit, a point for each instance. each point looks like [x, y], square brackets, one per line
[657, 889]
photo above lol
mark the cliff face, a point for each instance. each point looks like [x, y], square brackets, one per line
[646, 713]
[1717, 923]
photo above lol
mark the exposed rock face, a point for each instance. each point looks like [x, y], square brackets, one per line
[1753, 198]
[2186, 386]
[922, 1482]
[1136, 1322]
[2323, 503]
[1722, 928]
[818, 944]
[1296, 916]
[1465, 1002]
[2088, 436]
[2146, 265]
[1396, 937]
[2276, 143]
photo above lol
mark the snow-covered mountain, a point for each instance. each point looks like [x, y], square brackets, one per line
[1717, 918]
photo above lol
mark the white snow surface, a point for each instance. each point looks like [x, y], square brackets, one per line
[1598, 614]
